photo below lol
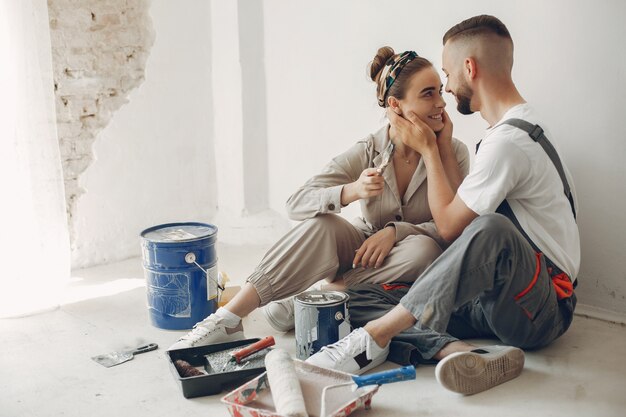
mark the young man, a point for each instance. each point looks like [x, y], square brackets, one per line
[516, 247]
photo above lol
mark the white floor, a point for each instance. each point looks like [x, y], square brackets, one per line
[46, 370]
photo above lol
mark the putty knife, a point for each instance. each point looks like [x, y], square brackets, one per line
[115, 358]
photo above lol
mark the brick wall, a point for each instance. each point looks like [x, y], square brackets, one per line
[99, 54]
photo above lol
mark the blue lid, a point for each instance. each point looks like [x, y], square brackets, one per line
[178, 232]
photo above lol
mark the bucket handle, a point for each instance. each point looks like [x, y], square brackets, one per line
[190, 258]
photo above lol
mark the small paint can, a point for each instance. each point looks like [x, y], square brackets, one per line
[321, 318]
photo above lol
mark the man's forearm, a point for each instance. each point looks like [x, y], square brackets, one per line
[450, 165]
[440, 191]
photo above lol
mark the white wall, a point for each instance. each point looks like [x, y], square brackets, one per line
[569, 63]
[155, 160]
[34, 242]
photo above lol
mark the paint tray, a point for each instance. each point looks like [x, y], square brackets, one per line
[254, 398]
[213, 381]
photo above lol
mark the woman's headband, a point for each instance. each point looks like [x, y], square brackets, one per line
[390, 72]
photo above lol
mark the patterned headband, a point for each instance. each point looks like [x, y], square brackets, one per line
[391, 70]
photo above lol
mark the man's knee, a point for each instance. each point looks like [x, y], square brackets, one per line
[492, 224]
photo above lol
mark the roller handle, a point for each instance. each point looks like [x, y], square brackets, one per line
[253, 348]
[386, 377]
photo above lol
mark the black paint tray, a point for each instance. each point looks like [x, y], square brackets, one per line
[211, 383]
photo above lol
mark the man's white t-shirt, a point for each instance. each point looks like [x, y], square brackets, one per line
[510, 165]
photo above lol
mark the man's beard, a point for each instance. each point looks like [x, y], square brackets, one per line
[464, 97]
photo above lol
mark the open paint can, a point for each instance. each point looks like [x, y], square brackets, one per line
[321, 318]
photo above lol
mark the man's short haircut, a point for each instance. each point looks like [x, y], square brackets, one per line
[475, 26]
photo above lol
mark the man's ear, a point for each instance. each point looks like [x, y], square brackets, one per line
[394, 104]
[470, 68]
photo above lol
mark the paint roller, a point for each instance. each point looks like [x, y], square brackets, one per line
[284, 384]
[385, 377]
[287, 394]
[240, 354]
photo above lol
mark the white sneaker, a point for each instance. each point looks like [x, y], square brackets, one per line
[207, 332]
[356, 353]
[280, 314]
[483, 368]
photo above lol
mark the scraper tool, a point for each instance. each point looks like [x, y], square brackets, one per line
[115, 358]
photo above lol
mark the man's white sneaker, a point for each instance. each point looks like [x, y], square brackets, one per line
[356, 353]
[207, 332]
[280, 314]
[483, 368]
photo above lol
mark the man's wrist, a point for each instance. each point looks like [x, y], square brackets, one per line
[431, 152]
[445, 149]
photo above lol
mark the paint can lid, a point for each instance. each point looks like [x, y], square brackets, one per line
[179, 232]
[323, 298]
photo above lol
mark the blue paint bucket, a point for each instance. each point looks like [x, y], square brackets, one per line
[321, 318]
[180, 266]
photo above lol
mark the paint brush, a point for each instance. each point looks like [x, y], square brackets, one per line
[386, 158]
[240, 354]
[185, 369]
[385, 377]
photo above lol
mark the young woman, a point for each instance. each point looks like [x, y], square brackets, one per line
[395, 239]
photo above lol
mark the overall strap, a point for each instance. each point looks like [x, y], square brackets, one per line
[563, 287]
[536, 134]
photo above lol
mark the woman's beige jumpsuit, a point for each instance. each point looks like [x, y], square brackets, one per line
[323, 245]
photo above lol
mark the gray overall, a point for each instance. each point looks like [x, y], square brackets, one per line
[491, 282]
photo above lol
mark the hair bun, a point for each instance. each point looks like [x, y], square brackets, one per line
[379, 61]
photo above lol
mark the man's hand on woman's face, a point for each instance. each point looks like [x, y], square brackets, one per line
[413, 131]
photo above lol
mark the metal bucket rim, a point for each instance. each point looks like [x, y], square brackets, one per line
[213, 232]
[344, 298]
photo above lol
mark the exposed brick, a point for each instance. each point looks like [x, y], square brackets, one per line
[69, 130]
[99, 53]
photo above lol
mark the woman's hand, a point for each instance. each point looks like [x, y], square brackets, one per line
[375, 249]
[412, 131]
[370, 184]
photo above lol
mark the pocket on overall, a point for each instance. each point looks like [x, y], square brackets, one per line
[533, 299]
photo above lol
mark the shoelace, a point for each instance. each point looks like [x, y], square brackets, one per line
[201, 330]
[347, 347]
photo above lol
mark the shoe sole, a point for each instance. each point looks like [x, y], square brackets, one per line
[229, 338]
[223, 338]
[358, 371]
[470, 373]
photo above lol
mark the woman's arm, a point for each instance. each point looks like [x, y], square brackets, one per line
[450, 213]
[369, 184]
[343, 180]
